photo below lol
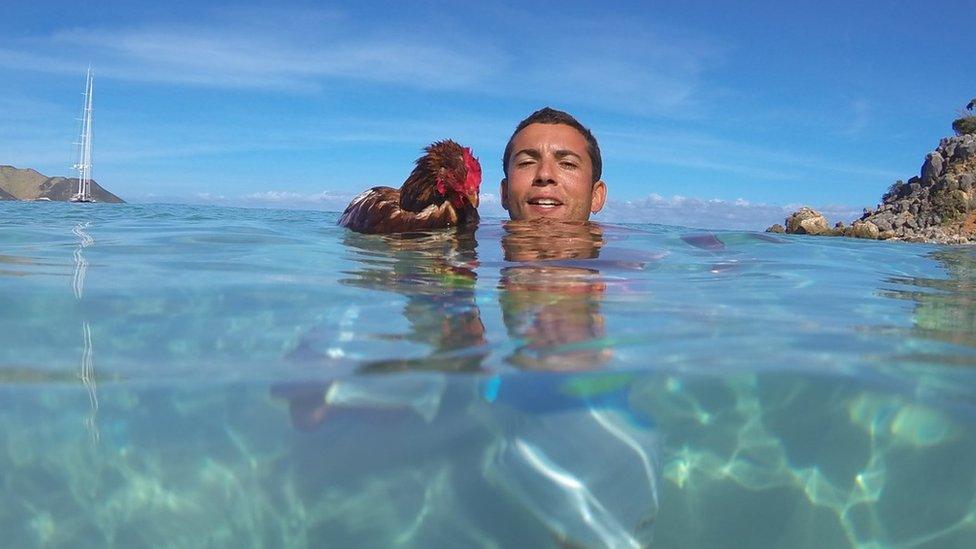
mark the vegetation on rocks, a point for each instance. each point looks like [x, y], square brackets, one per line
[893, 190]
[950, 206]
[965, 125]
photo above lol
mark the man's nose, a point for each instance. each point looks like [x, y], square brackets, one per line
[544, 173]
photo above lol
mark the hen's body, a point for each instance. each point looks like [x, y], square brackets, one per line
[378, 211]
[441, 191]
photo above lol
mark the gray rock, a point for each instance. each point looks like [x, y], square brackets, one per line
[901, 220]
[966, 182]
[932, 168]
[946, 183]
[883, 223]
[964, 151]
[776, 228]
[949, 148]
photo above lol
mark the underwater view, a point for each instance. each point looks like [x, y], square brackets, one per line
[194, 376]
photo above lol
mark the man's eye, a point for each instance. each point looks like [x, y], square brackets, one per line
[569, 165]
[524, 163]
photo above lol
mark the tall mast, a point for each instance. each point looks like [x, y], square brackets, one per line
[84, 164]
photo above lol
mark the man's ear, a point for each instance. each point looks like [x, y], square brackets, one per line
[599, 196]
[503, 191]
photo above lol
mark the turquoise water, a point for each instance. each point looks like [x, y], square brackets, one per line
[204, 376]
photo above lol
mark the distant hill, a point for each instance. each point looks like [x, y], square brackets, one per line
[28, 184]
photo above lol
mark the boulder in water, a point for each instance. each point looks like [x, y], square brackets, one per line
[865, 229]
[807, 221]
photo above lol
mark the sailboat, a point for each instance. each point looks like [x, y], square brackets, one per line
[84, 164]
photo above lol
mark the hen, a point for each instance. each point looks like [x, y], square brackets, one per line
[442, 191]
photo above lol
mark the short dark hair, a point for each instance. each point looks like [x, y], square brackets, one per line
[547, 115]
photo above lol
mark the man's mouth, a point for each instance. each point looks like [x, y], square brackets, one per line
[545, 202]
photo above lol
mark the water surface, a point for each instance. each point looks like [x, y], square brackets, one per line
[200, 376]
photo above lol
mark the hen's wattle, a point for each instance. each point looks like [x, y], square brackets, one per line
[442, 191]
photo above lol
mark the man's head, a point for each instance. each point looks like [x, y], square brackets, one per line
[552, 169]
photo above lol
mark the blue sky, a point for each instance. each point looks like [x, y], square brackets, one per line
[708, 114]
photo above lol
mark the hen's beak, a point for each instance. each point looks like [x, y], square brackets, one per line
[473, 198]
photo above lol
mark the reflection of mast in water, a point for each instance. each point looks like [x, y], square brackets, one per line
[87, 377]
[81, 264]
[87, 374]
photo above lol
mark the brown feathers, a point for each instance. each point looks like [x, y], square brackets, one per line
[378, 211]
[441, 191]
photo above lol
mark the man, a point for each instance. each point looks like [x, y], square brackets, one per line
[552, 169]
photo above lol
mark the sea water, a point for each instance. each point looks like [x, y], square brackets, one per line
[181, 376]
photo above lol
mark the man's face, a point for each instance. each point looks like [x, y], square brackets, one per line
[550, 175]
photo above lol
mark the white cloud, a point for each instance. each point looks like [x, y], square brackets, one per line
[711, 213]
[274, 196]
[680, 211]
[488, 199]
[323, 198]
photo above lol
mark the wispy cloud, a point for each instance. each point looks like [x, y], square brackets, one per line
[612, 63]
[860, 116]
[17, 108]
[229, 57]
[700, 151]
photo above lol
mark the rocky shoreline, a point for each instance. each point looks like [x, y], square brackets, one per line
[937, 206]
